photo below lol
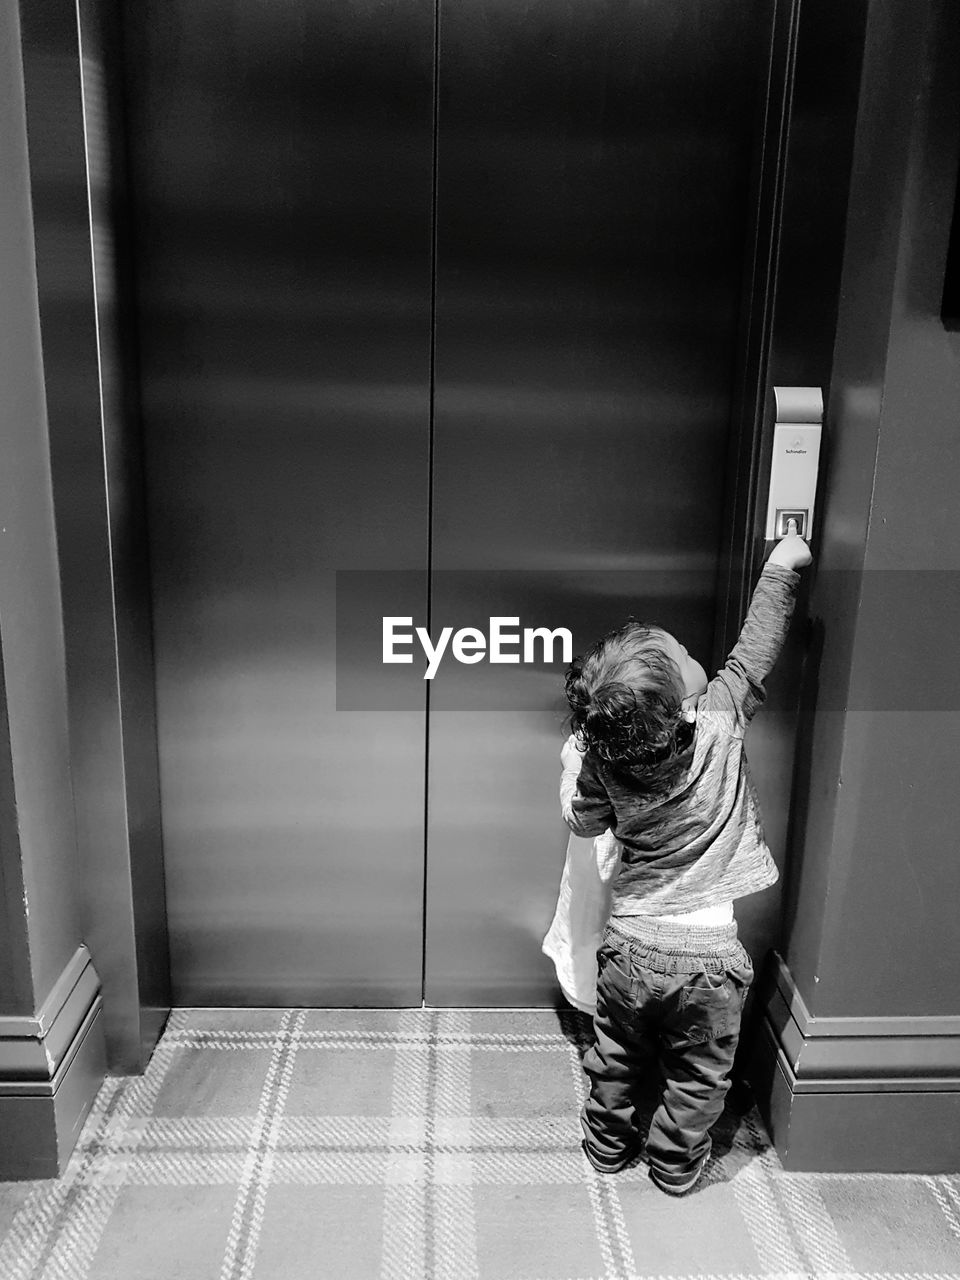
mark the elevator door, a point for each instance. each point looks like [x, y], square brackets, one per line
[450, 289]
[281, 162]
[594, 161]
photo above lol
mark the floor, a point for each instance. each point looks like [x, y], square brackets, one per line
[438, 1144]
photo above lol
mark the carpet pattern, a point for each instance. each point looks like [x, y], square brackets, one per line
[429, 1145]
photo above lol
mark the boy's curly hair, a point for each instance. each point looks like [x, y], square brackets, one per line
[626, 703]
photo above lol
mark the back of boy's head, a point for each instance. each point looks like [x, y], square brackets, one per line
[626, 701]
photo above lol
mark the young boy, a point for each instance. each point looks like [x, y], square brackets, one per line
[664, 767]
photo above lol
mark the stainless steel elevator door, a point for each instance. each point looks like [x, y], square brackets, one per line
[558, 298]
[281, 163]
[594, 163]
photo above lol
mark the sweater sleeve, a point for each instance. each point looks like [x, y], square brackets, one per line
[739, 683]
[589, 811]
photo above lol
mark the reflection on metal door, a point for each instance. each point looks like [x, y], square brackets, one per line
[282, 168]
[533, 282]
[594, 163]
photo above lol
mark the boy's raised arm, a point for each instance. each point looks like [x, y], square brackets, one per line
[765, 628]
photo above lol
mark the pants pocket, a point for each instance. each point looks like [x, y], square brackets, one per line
[616, 982]
[711, 1004]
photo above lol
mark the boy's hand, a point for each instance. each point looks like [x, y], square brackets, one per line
[791, 551]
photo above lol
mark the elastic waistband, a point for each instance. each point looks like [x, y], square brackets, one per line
[669, 938]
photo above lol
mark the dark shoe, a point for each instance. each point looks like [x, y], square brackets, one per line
[675, 1187]
[614, 1166]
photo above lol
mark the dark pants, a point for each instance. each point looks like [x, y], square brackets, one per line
[667, 1001]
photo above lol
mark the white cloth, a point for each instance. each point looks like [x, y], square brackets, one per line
[583, 906]
[582, 912]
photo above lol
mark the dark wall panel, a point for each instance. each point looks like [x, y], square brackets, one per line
[896, 887]
[38, 826]
[100, 547]
[872, 924]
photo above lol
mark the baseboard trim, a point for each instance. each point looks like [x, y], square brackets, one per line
[51, 1065]
[855, 1094]
[40, 1131]
[40, 1023]
[32, 1049]
[844, 1055]
[878, 1028]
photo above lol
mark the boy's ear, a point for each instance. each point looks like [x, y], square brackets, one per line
[690, 713]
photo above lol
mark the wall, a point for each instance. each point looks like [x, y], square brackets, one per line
[51, 1048]
[861, 1060]
[32, 635]
[894, 876]
[77, 193]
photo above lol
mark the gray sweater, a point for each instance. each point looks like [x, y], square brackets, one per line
[703, 843]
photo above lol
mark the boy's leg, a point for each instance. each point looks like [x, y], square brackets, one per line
[699, 1039]
[696, 1082]
[622, 1050]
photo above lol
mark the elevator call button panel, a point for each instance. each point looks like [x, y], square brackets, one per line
[796, 454]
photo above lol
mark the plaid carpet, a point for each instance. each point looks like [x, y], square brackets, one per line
[428, 1143]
